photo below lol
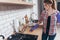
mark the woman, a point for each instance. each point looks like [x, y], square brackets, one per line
[49, 19]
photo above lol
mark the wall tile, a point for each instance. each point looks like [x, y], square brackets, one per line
[7, 15]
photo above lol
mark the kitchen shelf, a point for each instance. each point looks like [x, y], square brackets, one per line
[15, 2]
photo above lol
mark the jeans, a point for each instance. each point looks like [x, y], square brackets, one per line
[49, 37]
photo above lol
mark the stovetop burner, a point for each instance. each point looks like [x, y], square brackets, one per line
[19, 36]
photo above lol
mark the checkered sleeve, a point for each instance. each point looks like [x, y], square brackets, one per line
[41, 17]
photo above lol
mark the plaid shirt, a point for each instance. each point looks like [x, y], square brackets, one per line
[53, 22]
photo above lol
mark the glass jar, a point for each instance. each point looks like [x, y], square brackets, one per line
[24, 0]
[29, 1]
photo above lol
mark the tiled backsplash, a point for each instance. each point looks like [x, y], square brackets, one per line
[9, 13]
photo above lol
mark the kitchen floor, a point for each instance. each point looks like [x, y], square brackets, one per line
[38, 32]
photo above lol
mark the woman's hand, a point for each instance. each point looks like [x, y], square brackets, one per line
[40, 23]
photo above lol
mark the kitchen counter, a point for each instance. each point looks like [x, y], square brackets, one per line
[37, 31]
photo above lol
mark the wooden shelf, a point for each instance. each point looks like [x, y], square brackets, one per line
[15, 2]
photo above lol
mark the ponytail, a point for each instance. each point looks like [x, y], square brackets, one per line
[54, 6]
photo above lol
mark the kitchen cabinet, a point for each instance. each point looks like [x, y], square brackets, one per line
[19, 2]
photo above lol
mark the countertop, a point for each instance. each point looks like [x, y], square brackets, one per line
[37, 31]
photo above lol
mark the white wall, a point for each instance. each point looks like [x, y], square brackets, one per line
[35, 7]
[9, 13]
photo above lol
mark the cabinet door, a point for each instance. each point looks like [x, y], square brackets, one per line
[58, 6]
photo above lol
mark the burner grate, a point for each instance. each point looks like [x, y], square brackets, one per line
[19, 36]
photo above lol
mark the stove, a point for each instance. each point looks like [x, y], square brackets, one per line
[19, 36]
